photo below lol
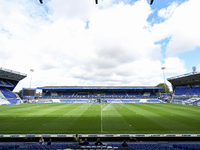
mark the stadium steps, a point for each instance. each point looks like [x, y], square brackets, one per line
[10, 83]
[188, 91]
[4, 101]
[6, 83]
[1, 82]
[2, 96]
[8, 93]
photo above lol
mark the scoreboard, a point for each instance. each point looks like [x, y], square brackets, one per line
[28, 92]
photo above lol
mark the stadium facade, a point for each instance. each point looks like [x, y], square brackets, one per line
[186, 88]
[8, 81]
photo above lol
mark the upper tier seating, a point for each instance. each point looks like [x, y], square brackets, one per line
[47, 94]
[181, 90]
[146, 94]
[82, 94]
[152, 94]
[130, 94]
[54, 93]
[194, 91]
[120, 94]
[1, 83]
[65, 94]
[108, 94]
[5, 83]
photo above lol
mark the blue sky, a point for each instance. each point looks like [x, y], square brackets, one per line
[117, 42]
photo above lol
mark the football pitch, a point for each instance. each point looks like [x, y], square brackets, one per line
[94, 118]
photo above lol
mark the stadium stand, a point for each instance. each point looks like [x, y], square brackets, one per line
[53, 93]
[181, 90]
[130, 94]
[8, 81]
[146, 94]
[11, 97]
[109, 94]
[48, 94]
[186, 88]
[4, 101]
[195, 90]
[7, 93]
[179, 100]
[153, 95]
[120, 94]
[186, 100]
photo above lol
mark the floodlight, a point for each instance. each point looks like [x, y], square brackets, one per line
[194, 69]
[31, 70]
[163, 68]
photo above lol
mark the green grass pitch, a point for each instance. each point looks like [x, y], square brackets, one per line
[94, 118]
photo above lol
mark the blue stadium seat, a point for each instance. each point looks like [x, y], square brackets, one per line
[195, 90]
[181, 90]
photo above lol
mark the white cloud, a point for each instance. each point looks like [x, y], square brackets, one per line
[167, 12]
[70, 9]
[182, 27]
[174, 66]
[198, 68]
[118, 48]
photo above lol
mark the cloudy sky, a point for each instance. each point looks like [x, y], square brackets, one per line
[117, 42]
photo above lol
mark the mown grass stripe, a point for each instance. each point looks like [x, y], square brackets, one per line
[116, 119]
[184, 121]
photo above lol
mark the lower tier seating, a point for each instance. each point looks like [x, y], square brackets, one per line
[109, 146]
